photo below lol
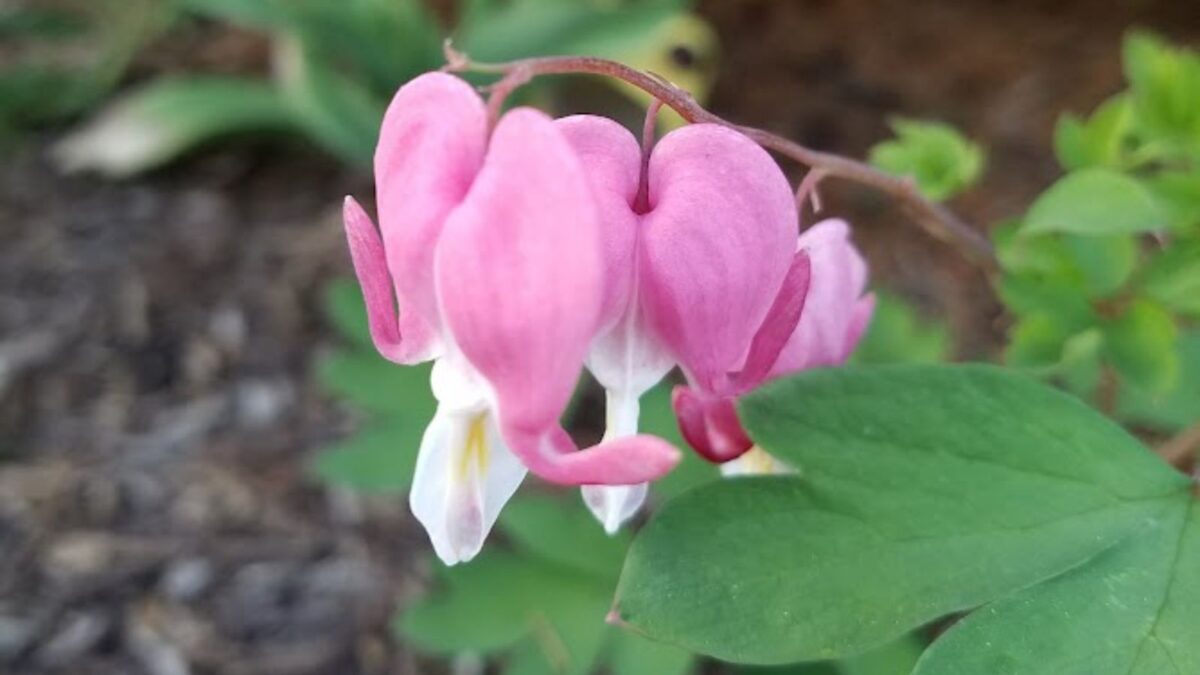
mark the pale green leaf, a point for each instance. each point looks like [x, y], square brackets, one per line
[1095, 202]
[941, 160]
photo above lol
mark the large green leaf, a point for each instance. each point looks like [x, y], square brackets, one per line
[925, 490]
[1130, 611]
[1095, 202]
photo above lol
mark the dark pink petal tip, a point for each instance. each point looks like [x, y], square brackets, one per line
[710, 425]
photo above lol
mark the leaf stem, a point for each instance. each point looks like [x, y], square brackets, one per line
[934, 218]
[1182, 447]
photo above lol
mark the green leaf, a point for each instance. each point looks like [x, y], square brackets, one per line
[635, 655]
[941, 160]
[925, 490]
[163, 120]
[1178, 193]
[1130, 611]
[1097, 143]
[658, 419]
[898, 335]
[1141, 346]
[1170, 411]
[1173, 278]
[378, 459]
[338, 112]
[548, 529]
[379, 386]
[1095, 202]
[1037, 341]
[342, 304]
[482, 607]
[1165, 83]
[1105, 263]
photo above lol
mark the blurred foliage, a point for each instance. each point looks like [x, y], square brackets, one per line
[940, 159]
[337, 63]
[60, 57]
[898, 334]
[1102, 272]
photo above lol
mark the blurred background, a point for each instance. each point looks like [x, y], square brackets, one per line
[203, 466]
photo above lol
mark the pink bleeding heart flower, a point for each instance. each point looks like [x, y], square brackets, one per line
[701, 267]
[490, 244]
[835, 315]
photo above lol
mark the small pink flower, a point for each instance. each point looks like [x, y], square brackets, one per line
[834, 316]
[701, 269]
[491, 247]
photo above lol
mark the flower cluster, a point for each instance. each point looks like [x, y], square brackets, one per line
[515, 255]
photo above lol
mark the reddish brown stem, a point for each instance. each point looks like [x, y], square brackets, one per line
[934, 218]
[1181, 449]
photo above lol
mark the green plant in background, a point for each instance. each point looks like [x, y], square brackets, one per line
[940, 160]
[62, 57]
[1102, 273]
[337, 63]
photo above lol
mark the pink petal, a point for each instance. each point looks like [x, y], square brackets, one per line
[710, 424]
[520, 280]
[716, 245]
[831, 317]
[860, 318]
[611, 158]
[431, 145]
[370, 266]
[779, 325]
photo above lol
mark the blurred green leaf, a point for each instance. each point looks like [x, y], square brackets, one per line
[897, 334]
[1171, 411]
[376, 385]
[164, 119]
[378, 459]
[1178, 194]
[658, 419]
[342, 304]
[635, 655]
[1095, 202]
[336, 111]
[1165, 84]
[1104, 262]
[1141, 346]
[1037, 341]
[941, 160]
[543, 528]
[40, 22]
[1098, 142]
[1173, 278]
[482, 607]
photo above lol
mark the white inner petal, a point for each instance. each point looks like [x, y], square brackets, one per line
[755, 462]
[614, 504]
[465, 473]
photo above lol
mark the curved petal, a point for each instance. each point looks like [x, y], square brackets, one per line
[520, 284]
[716, 245]
[464, 476]
[431, 145]
[370, 266]
[614, 504]
[833, 317]
[778, 327]
[610, 154]
[710, 424]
